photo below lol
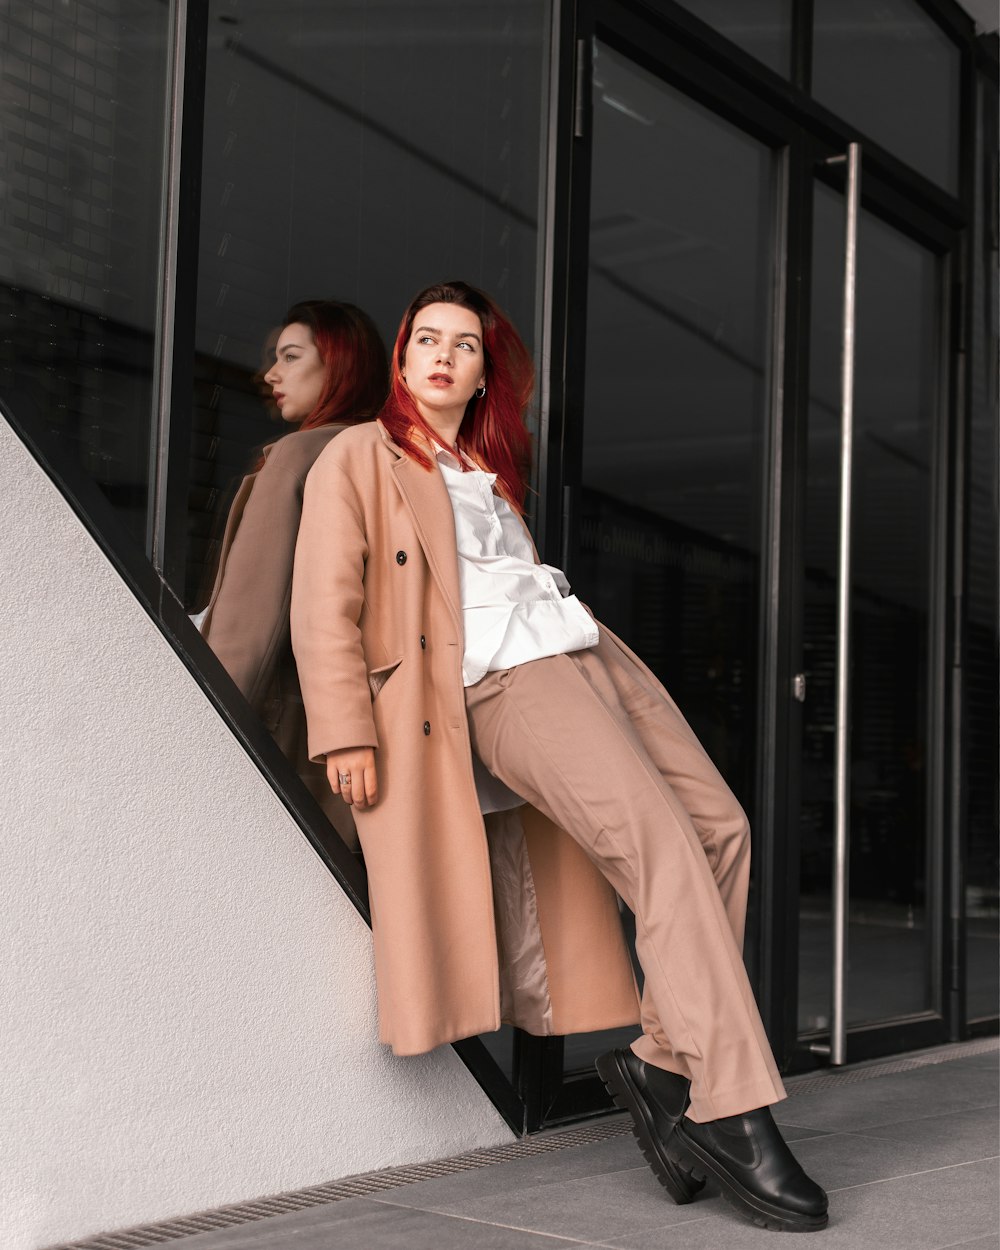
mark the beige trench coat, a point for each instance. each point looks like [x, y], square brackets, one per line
[247, 619]
[377, 633]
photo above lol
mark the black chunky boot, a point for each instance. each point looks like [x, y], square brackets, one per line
[656, 1100]
[757, 1172]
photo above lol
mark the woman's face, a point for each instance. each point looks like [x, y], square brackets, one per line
[444, 363]
[298, 374]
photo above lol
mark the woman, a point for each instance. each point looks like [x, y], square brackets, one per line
[427, 633]
[329, 372]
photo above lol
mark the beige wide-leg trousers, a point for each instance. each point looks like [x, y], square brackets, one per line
[613, 762]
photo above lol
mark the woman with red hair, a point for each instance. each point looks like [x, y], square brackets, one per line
[511, 765]
[329, 372]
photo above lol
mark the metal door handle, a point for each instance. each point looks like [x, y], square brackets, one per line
[842, 748]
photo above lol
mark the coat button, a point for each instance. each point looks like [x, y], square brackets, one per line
[427, 726]
[400, 557]
[423, 643]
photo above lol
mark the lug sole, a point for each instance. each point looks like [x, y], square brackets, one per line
[673, 1176]
[689, 1154]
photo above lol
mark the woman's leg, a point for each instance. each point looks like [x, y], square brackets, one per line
[682, 761]
[556, 731]
[715, 813]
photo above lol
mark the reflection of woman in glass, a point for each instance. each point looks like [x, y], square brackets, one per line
[329, 372]
[426, 632]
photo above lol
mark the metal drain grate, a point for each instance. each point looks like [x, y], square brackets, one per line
[393, 1178]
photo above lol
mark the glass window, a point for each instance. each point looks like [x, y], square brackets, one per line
[761, 27]
[887, 68]
[668, 540]
[83, 112]
[352, 151]
[678, 341]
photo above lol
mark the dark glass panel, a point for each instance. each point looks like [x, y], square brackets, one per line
[761, 27]
[83, 109]
[895, 399]
[353, 151]
[668, 542]
[890, 70]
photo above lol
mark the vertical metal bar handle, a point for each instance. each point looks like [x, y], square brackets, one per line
[842, 756]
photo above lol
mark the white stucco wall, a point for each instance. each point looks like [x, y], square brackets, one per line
[186, 997]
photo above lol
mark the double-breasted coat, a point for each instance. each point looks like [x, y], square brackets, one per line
[378, 638]
[247, 619]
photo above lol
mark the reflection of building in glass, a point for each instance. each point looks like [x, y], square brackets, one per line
[83, 89]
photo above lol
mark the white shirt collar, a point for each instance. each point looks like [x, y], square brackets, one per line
[456, 458]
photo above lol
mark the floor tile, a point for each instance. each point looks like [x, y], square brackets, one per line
[990, 1061]
[975, 1132]
[926, 1212]
[796, 1132]
[588, 1209]
[840, 1160]
[364, 1225]
[909, 1159]
[890, 1099]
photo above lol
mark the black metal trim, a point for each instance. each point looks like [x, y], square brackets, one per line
[538, 1076]
[554, 293]
[938, 861]
[566, 268]
[493, 1081]
[986, 1027]
[170, 441]
[987, 55]
[951, 18]
[174, 521]
[889, 1037]
[581, 1095]
[777, 882]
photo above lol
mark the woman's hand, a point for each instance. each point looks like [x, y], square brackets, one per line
[358, 763]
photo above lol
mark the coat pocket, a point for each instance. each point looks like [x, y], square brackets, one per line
[377, 677]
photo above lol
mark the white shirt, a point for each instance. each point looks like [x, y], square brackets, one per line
[513, 609]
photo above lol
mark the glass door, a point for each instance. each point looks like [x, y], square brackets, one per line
[668, 517]
[700, 461]
[891, 971]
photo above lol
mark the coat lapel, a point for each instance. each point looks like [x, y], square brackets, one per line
[426, 498]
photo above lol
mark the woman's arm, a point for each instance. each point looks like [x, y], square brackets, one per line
[327, 601]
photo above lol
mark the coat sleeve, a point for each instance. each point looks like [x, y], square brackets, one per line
[327, 601]
[247, 626]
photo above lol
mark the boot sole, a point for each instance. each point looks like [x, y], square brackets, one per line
[675, 1178]
[687, 1153]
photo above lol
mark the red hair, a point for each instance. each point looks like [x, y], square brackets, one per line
[357, 374]
[492, 432]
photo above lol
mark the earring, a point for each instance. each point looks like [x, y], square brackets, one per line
[480, 392]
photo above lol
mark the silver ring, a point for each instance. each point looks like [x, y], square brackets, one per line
[344, 778]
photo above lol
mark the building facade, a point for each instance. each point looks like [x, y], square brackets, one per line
[675, 203]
